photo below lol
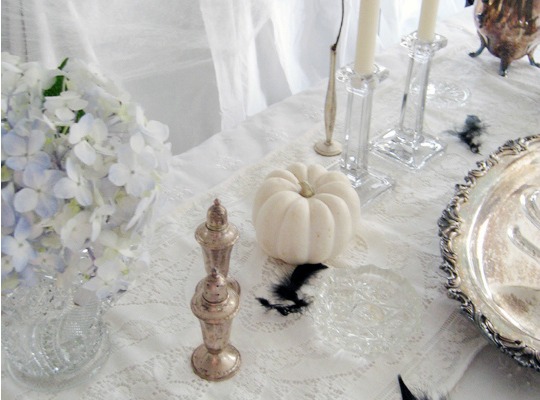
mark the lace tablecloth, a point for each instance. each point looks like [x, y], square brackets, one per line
[152, 327]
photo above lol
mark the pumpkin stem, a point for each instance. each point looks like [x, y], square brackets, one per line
[306, 189]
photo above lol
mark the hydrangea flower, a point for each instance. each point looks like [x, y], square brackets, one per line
[18, 247]
[36, 196]
[21, 151]
[86, 134]
[74, 185]
[80, 172]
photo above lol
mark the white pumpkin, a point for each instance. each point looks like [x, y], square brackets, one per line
[305, 214]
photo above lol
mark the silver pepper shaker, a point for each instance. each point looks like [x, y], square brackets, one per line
[215, 304]
[217, 237]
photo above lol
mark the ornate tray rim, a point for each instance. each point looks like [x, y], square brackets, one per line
[449, 228]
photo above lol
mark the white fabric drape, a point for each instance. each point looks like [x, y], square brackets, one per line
[266, 50]
[212, 63]
[157, 50]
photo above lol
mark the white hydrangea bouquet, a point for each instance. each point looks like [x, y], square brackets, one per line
[81, 169]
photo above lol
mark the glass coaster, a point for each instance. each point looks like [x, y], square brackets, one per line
[365, 310]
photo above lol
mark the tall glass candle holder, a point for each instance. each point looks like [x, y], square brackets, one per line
[407, 142]
[354, 159]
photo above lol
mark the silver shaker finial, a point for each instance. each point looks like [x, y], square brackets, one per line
[217, 298]
[217, 236]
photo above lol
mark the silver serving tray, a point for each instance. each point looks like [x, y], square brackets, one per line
[490, 244]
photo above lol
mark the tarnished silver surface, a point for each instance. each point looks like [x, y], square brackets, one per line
[217, 237]
[330, 147]
[215, 304]
[217, 298]
[490, 244]
[509, 29]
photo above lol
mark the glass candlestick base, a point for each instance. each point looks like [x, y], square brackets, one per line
[407, 148]
[406, 142]
[367, 182]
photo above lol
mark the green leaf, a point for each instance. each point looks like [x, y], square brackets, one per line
[63, 63]
[10, 282]
[56, 88]
[7, 173]
[79, 115]
[58, 85]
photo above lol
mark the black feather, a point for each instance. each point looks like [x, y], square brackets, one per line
[287, 289]
[471, 132]
[285, 309]
[406, 394]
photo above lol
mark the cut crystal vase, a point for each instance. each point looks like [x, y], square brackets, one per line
[53, 337]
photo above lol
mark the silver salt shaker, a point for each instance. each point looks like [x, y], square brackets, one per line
[217, 237]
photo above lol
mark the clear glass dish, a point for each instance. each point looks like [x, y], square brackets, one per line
[366, 310]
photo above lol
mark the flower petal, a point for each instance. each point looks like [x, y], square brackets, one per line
[139, 184]
[33, 176]
[119, 174]
[77, 104]
[23, 229]
[85, 152]
[25, 200]
[13, 145]
[80, 129]
[84, 195]
[99, 130]
[71, 170]
[158, 130]
[65, 188]
[76, 231]
[8, 213]
[140, 210]
[137, 142]
[64, 114]
[17, 163]
[46, 206]
[20, 251]
[36, 140]
[41, 159]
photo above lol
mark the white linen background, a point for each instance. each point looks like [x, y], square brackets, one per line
[200, 66]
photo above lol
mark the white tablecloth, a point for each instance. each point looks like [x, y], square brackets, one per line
[154, 331]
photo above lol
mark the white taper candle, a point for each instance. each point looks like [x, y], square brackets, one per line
[428, 17]
[366, 39]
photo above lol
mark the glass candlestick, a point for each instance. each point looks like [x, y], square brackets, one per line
[354, 159]
[407, 142]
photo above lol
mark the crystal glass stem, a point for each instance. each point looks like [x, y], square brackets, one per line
[407, 142]
[414, 101]
[354, 158]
